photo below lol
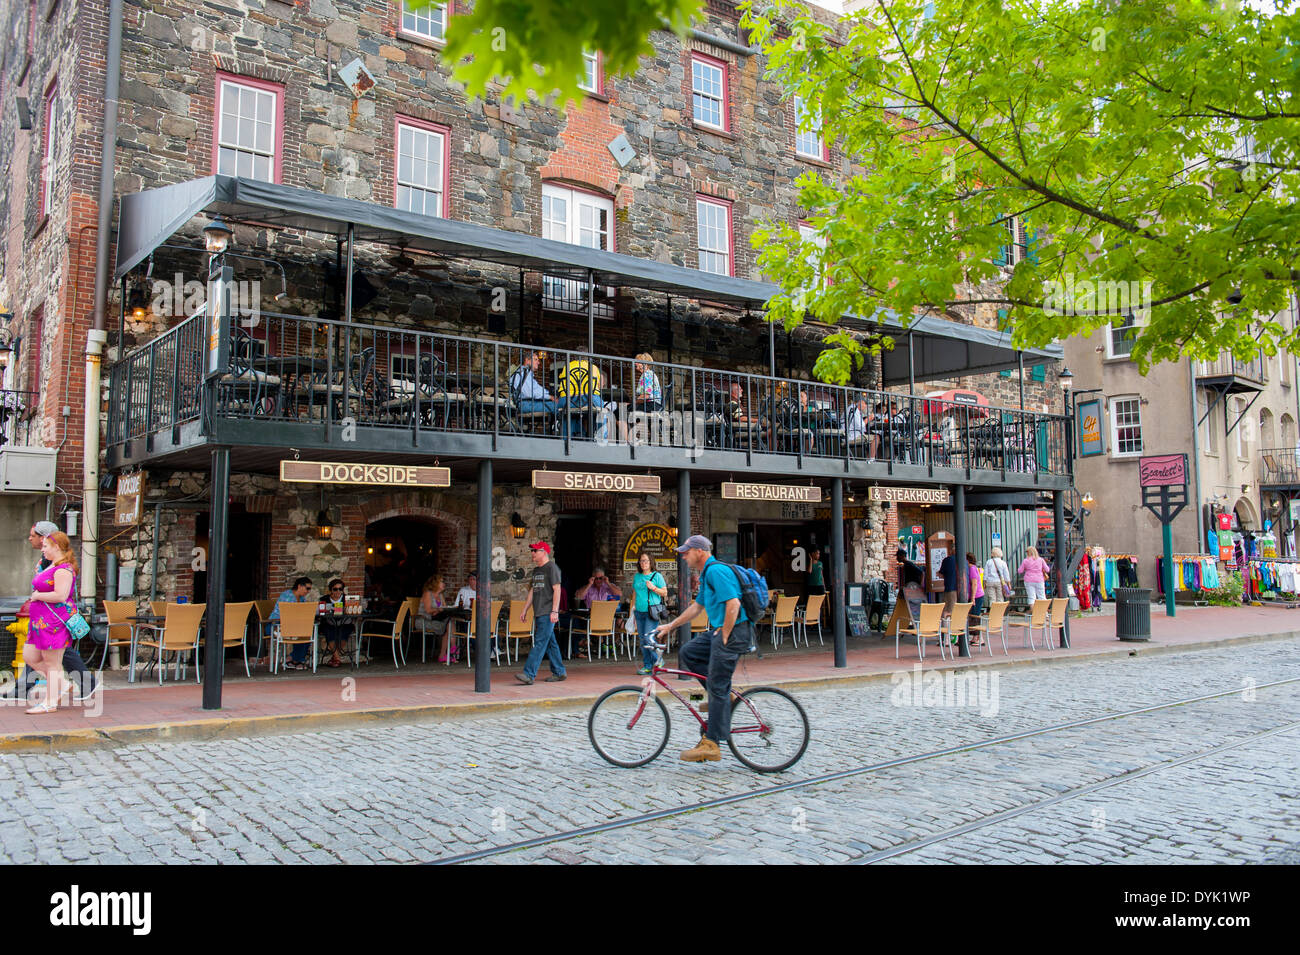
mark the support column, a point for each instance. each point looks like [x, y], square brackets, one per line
[1058, 529]
[214, 625]
[835, 581]
[959, 545]
[591, 313]
[483, 624]
[911, 368]
[683, 532]
[771, 349]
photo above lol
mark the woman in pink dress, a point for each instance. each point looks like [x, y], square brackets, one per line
[53, 601]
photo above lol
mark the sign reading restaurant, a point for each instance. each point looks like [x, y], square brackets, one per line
[596, 481]
[912, 495]
[735, 491]
[391, 475]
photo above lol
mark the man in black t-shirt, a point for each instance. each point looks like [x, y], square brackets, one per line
[543, 600]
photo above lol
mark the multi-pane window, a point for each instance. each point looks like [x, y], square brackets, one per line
[423, 19]
[709, 92]
[1017, 247]
[1120, 338]
[713, 225]
[1126, 425]
[51, 139]
[1211, 425]
[578, 218]
[591, 73]
[808, 133]
[421, 169]
[248, 131]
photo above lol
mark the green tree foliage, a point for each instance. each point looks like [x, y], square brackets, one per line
[1139, 141]
[534, 48]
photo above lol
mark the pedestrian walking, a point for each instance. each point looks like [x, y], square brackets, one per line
[53, 601]
[816, 573]
[715, 651]
[1034, 570]
[998, 582]
[543, 600]
[650, 589]
[976, 584]
[84, 682]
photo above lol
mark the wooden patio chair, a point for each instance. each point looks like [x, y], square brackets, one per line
[1036, 620]
[812, 611]
[1060, 606]
[516, 629]
[179, 635]
[119, 627]
[957, 622]
[296, 625]
[600, 627]
[375, 628]
[996, 623]
[471, 625]
[236, 633]
[930, 625]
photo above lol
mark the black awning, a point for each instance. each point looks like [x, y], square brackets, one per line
[942, 349]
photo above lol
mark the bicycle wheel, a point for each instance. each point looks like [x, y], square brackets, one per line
[776, 738]
[626, 730]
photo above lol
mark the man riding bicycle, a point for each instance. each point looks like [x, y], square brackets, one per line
[716, 650]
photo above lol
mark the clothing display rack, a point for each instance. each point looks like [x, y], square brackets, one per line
[1111, 574]
[1279, 575]
[1192, 573]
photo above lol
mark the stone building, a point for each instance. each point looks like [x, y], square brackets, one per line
[326, 120]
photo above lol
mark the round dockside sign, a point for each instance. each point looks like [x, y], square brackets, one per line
[657, 541]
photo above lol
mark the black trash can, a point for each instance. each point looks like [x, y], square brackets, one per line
[1133, 613]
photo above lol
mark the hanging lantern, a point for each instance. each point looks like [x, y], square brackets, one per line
[517, 526]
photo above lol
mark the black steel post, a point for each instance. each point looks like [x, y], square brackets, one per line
[1058, 529]
[683, 532]
[911, 367]
[215, 620]
[1020, 361]
[837, 576]
[591, 313]
[959, 546]
[483, 624]
[771, 349]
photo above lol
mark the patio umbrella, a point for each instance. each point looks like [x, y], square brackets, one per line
[954, 396]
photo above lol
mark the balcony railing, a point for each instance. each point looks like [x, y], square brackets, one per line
[300, 369]
[1226, 366]
[18, 422]
[1279, 466]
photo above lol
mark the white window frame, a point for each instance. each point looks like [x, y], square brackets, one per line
[699, 68]
[435, 186]
[1240, 429]
[1211, 432]
[569, 294]
[814, 136]
[1111, 331]
[48, 155]
[1114, 408]
[706, 253]
[591, 62]
[229, 141]
[428, 23]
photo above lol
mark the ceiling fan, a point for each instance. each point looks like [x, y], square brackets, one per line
[402, 262]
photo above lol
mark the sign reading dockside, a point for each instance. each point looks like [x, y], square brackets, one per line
[912, 495]
[596, 481]
[395, 475]
[734, 491]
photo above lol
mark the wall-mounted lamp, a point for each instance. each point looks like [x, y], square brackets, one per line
[324, 526]
[388, 545]
[6, 338]
[517, 526]
[1087, 500]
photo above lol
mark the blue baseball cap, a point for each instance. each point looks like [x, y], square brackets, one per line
[696, 541]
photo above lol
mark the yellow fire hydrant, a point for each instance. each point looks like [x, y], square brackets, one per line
[19, 629]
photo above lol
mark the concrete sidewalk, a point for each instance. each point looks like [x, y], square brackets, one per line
[334, 698]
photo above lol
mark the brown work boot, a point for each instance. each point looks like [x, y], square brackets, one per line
[705, 751]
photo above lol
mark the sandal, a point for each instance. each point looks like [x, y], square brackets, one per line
[43, 708]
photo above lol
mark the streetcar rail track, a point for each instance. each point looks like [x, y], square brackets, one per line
[659, 814]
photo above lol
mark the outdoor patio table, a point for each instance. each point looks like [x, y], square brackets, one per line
[140, 622]
[344, 617]
[295, 372]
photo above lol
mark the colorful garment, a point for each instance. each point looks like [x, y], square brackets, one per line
[46, 629]
[648, 390]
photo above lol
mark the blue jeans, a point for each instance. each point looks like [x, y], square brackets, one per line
[705, 653]
[644, 628]
[576, 406]
[544, 645]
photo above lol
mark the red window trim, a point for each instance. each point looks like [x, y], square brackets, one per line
[731, 231]
[276, 88]
[726, 91]
[50, 92]
[420, 37]
[445, 131]
[36, 327]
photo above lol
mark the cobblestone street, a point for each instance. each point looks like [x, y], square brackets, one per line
[417, 792]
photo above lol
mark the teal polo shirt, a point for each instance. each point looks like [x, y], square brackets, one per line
[718, 584]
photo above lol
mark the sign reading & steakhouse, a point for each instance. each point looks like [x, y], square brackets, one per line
[392, 475]
[912, 495]
[596, 481]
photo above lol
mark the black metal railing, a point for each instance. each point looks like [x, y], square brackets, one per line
[18, 420]
[288, 368]
[1226, 366]
[1279, 466]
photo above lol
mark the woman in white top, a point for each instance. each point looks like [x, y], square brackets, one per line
[998, 583]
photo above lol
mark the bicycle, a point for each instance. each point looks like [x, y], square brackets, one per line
[629, 725]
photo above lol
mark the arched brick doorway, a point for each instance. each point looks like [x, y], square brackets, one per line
[424, 540]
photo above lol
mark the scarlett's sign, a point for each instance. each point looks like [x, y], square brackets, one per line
[596, 481]
[1162, 470]
[732, 491]
[393, 475]
[912, 495]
